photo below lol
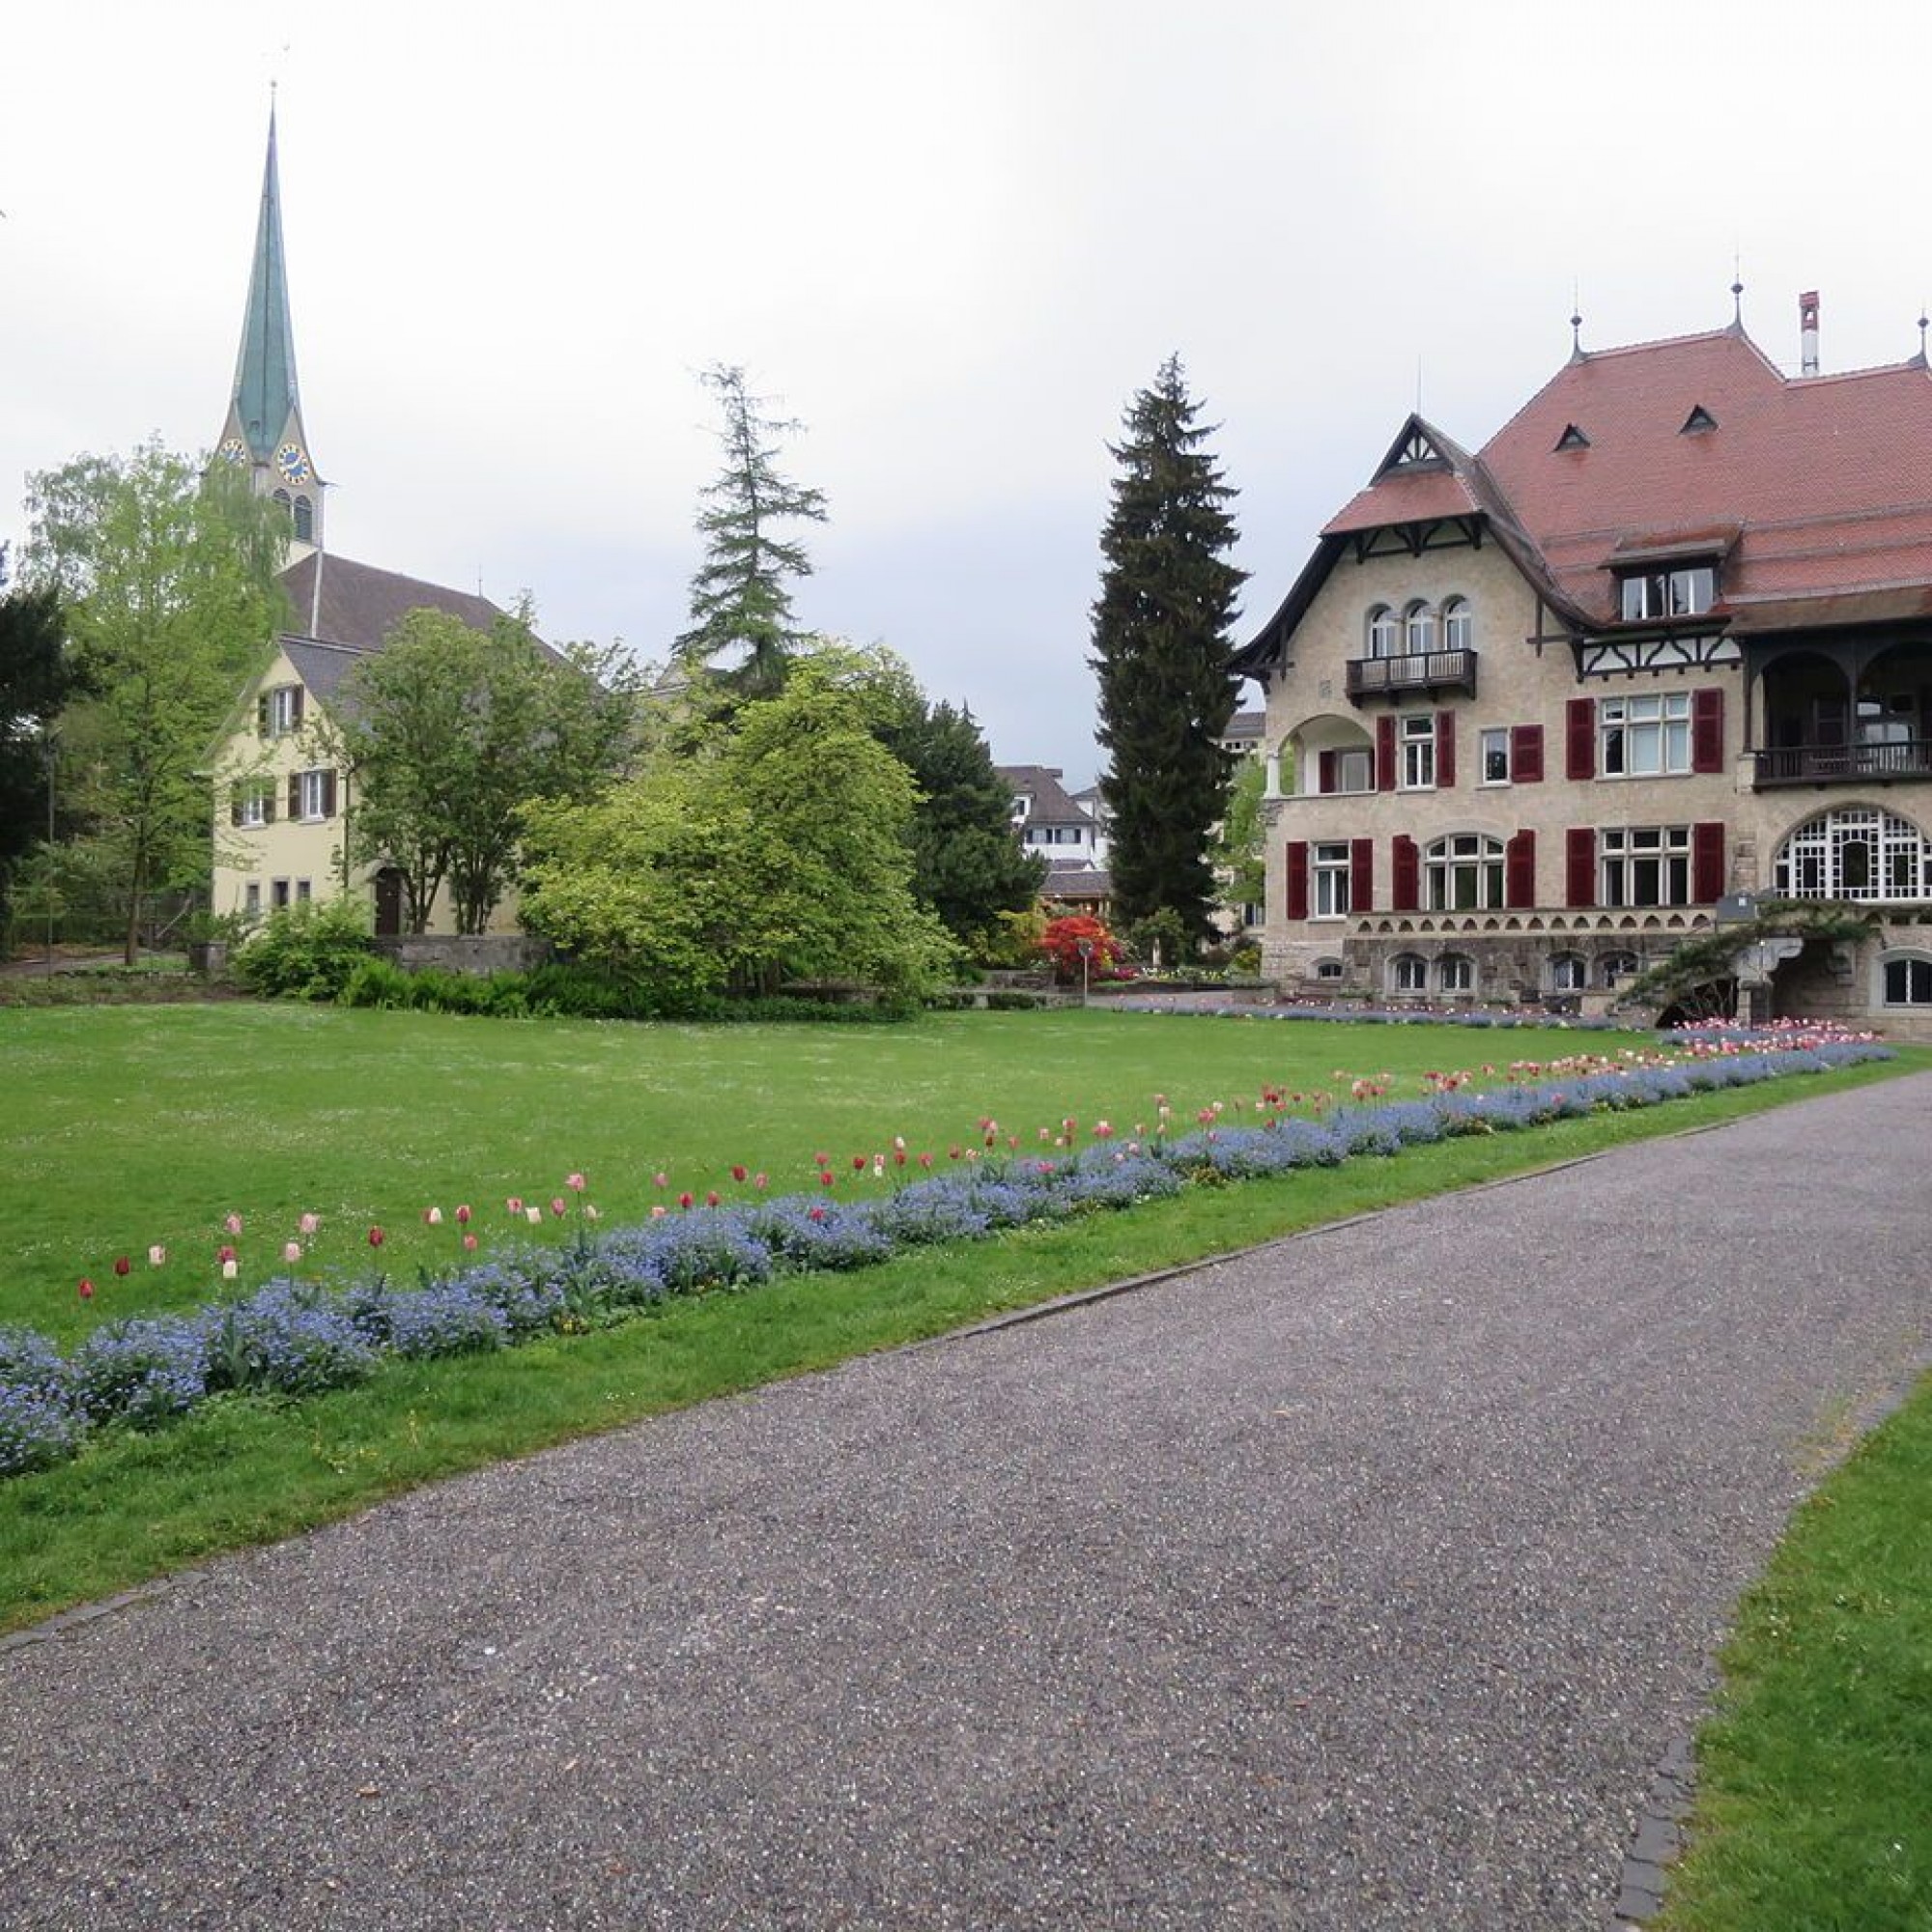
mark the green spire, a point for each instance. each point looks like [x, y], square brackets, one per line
[265, 370]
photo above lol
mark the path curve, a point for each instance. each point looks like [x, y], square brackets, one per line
[1362, 1581]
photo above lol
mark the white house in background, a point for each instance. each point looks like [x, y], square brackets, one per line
[1061, 829]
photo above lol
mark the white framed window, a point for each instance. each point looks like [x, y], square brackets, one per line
[1644, 866]
[1459, 625]
[1686, 593]
[254, 805]
[1644, 736]
[1463, 872]
[278, 710]
[1415, 735]
[1617, 967]
[1253, 914]
[1330, 868]
[1409, 973]
[1908, 981]
[1354, 770]
[1384, 632]
[1328, 969]
[1568, 973]
[1455, 973]
[1418, 630]
[1857, 852]
[315, 794]
[1495, 755]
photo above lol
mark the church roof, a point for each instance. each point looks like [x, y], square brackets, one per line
[355, 605]
[264, 367]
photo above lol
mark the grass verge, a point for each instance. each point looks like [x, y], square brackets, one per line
[247, 1471]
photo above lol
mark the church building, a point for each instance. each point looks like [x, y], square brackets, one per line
[283, 800]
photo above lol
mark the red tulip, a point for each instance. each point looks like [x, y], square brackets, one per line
[684, 1199]
[86, 1288]
[374, 1237]
[224, 1253]
[737, 1173]
[825, 1178]
[463, 1216]
[711, 1199]
[858, 1164]
[120, 1264]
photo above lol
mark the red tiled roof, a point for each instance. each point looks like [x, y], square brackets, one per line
[1828, 479]
[1404, 498]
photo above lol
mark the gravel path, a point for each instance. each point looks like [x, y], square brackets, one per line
[1363, 1582]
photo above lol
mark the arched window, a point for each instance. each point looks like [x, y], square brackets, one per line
[1908, 980]
[1384, 632]
[1462, 873]
[282, 497]
[1855, 852]
[1409, 973]
[304, 520]
[1459, 625]
[1419, 625]
[1455, 973]
[1568, 973]
[1617, 967]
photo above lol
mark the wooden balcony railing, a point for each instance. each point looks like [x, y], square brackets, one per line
[1839, 764]
[1418, 671]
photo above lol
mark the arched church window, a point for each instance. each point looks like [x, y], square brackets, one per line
[304, 520]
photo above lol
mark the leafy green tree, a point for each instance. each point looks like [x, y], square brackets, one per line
[775, 852]
[1161, 647]
[739, 600]
[967, 864]
[448, 731]
[168, 578]
[37, 676]
[1240, 858]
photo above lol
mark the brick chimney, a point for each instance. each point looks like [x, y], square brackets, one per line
[1807, 333]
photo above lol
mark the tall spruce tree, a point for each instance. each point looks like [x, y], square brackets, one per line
[1161, 648]
[739, 602]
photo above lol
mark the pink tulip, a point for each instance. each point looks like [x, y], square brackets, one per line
[661, 1179]
[759, 1180]
[925, 1161]
[233, 1224]
[711, 1199]
[309, 1223]
[469, 1244]
[86, 1288]
[576, 1182]
[292, 1251]
[658, 1212]
[557, 1206]
[1103, 1130]
[514, 1205]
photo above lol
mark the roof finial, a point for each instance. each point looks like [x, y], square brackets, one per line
[1575, 322]
[1737, 291]
[1922, 324]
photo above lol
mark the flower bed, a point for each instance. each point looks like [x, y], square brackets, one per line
[291, 1338]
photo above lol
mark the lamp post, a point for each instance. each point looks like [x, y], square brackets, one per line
[1085, 948]
[48, 732]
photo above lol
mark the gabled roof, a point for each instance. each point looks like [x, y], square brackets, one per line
[1051, 803]
[336, 601]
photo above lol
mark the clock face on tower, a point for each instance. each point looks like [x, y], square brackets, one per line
[291, 463]
[234, 450]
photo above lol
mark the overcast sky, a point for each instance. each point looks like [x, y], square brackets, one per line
[952, 238]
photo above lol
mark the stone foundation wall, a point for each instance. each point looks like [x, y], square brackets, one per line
[478, 953]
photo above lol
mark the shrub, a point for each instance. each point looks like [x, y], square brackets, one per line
[376, 982]
[37, 1429]
[306, 952]
[142, 1371]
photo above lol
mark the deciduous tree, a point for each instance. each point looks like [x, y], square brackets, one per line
[1161, 647]
[168, 578]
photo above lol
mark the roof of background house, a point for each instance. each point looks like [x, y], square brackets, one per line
[1051, 803]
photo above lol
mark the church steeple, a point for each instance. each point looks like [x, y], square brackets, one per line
[264, 427]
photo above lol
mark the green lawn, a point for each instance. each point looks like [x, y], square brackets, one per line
[129, 1126]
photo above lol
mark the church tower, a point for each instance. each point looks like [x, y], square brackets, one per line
[263, 428]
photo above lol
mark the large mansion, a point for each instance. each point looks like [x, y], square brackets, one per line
[1664, 639]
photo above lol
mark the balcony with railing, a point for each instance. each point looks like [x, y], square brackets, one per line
[1413, 671]
[1893, 758]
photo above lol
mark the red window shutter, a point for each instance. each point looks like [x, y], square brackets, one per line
[1581, 739]
[1407, 874]
[1298, 878]
[1706, 730]
[1520, 876]
[294, 795]
[1445, 748]
[1324, 771]
[1580, 864]
[1707, 860]
[1361, 874]
[328, 794]
[1526, 753]
[1384, 754]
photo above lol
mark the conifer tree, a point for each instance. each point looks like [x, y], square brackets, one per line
[739, 600]
[1161, 647]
